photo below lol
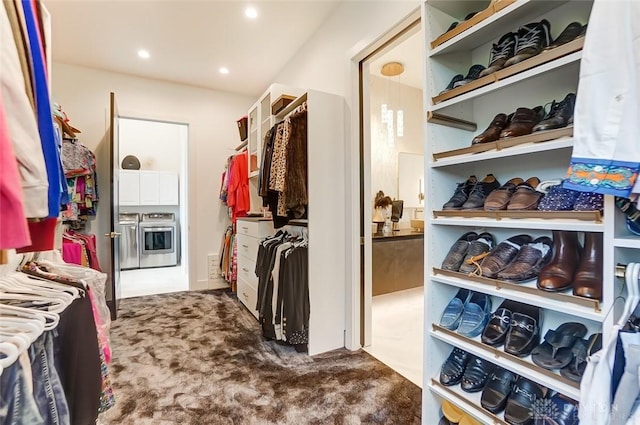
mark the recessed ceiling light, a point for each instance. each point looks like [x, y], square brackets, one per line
[144, 54]
[251, 12]
[224, 70]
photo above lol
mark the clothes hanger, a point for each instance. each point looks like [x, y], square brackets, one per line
[48, 319]
[632, 274]
[15, 283]
[11, 354]
[53, 305]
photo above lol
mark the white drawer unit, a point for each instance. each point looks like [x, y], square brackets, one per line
[249, 232]
[248, 295]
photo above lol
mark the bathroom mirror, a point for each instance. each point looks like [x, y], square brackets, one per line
[411, 179]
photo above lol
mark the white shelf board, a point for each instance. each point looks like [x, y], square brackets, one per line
[495, 26]
[468, 402]
[507, 152]
[540, 300]
[522, 223]
[627, 242]
[525, 75]
[528, 372]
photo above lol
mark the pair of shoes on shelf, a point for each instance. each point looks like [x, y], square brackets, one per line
[467, 313]
[515, 325]
[515, 195]
[526, 121]
[555, 351]
[559, 198]
[471, 194]
[517, 259]
[514, 47]
[452, 414]
[518, 123]
[514, 394]
[465, 254]
[460, 80]
[574, 266]
[463, 368]
[581, 350]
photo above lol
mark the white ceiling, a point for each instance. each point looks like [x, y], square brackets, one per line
[189, 40]
[408, 51]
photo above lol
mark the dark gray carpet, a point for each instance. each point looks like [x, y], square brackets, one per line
[199, 358]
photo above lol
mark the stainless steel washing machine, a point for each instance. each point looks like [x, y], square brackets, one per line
[158, 239]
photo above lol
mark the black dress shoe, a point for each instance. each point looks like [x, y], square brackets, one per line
[453, 368]
[520, 406]
[480, 191]
[485, 242]
[570, 33]
[476, 374]
[559, 114]
[496, 330]
[461, 194]
[496, 392]
[457, 252]
[524, 331]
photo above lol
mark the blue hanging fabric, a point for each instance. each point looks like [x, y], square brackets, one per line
[43, 108]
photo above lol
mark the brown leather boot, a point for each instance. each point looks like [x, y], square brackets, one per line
[587, 281]
[558, 274]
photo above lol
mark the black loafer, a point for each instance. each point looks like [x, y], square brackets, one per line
[520, 406]
[495, 332]
[453, 368]
[476, 374]
[524, 332]
[458, 251]
[496, 392]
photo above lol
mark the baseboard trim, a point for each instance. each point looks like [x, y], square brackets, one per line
[209, 284]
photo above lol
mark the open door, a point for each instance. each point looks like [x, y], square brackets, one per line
[114, 234]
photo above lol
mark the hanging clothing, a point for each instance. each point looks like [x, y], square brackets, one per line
[238, 190]
[14, 232]
[44, 115]
[21, 124]
[79, 167]
[606, 152]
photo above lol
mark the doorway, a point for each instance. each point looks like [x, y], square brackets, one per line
[392, 202]
[153, 219]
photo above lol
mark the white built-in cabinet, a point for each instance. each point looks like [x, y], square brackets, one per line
[146, 187]
[261, 120]
[448, 161]
[326, 225]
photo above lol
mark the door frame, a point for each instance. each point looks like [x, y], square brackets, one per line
[185, 222]
[359, 293]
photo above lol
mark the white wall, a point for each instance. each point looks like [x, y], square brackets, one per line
[157, 145]
[325, 63]
[213, 135]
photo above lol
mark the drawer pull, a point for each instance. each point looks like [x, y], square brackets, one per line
[245, 228]
[245, 246]
[245, 270]
[244, 294]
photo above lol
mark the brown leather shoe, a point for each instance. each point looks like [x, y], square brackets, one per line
[523, 122]
[526, 197]
[492, 132]
[499, 198]
[558, 274]
[502, 255]
[587, 281]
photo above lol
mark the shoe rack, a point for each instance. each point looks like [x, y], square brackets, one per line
[450, 159]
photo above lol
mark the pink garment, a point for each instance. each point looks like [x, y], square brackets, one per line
[14, 232]
[71, 252]
[103, 341]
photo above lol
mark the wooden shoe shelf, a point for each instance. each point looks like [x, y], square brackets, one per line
[452, 120]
